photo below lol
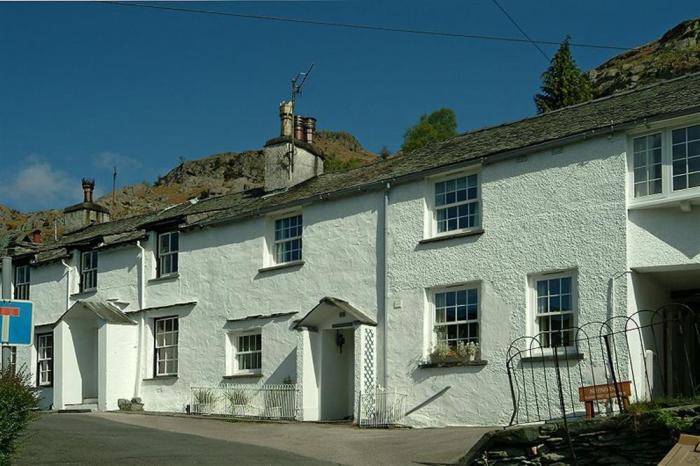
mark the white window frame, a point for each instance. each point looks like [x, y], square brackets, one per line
[274, 242]
[44, 362]
[22, 281]
[667, 196]
[432, 308]
[173, 255]
[236, 346]
[534, 327]
[431, 220]
[86, 273]
[157, 347]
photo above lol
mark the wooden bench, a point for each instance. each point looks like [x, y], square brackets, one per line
[592, 393]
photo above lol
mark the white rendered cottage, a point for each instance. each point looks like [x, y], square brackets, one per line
[343, 281]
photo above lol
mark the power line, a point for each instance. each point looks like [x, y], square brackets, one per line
[521, 29]
[358, 26]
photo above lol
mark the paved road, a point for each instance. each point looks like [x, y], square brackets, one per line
[111, 438]
[86, 439]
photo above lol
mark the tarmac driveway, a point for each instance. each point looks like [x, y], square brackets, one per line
[111, 438]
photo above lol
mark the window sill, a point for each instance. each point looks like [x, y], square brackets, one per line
[550, 357]
[461, 234]
[430, 365]
[161, 377]
[165, 278]
[680, 200]
[281, 266]
[83, 294]
[243, 376]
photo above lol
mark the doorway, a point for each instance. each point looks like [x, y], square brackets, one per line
[337, 374]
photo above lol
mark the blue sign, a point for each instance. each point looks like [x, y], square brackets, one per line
[16, 322]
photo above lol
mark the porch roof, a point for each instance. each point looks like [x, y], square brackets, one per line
[327, 307]
[104, 310]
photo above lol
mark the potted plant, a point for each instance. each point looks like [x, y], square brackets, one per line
[204, 400]
[238, 401]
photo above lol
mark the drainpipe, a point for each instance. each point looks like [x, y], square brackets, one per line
[67, 267]
[142, 318]
[385, 294]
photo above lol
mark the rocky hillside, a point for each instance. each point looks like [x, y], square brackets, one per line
[675, 54]
[213, 175]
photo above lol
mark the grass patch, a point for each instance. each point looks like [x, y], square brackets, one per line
[661, 403]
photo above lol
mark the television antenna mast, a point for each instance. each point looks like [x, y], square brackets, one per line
[297, 85]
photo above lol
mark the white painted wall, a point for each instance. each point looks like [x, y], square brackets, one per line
[542, 213]
[545, 213]
[664, 238]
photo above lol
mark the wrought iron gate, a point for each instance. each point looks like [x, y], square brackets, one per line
[656, 352]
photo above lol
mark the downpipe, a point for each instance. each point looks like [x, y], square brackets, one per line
[142, 318]
[67, 268]
[385, 294]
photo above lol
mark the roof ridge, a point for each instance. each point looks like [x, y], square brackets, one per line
[581, 104]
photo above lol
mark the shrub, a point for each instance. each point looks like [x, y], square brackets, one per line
[237, 397]
[18, 398]
[204, 396]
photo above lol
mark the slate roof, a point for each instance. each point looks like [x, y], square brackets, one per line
[614, 113]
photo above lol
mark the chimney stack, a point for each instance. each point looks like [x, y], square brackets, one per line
[286, 111]
[88, 188]
[87, 212]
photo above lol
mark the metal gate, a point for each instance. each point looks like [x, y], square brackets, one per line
[654, 353]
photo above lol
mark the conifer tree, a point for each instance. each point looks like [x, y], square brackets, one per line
[563, 83]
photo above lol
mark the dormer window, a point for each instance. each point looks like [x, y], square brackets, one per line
[88, 271]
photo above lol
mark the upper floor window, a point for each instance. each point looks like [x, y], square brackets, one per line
[287, 243]
[647, 165]
[168, 248]
[88, 271]
[456, 316]
[44, 350]
[665, 165]
[165, 352]
[456, 204]
[555, 310]
[22, 282]
[685, 144]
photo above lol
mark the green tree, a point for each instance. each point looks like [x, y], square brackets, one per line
[437, 126]
[563, 83]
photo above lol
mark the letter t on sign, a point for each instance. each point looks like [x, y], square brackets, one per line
[6, 313]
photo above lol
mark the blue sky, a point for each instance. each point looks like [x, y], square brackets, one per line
[85, 86]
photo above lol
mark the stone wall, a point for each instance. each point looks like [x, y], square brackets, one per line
[641, 439]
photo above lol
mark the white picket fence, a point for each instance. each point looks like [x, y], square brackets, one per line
[240, 400]
[381, 408]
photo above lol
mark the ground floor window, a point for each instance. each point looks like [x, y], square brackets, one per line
[248, 352]
[456, 318]
[555, 310]
[44, 349]
[165, 352]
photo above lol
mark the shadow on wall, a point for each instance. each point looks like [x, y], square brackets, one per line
[286, 369]
[672, 227]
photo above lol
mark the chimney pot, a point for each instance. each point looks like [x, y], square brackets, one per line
[286, 111]
[299, 132]
[310, 129]
[36, 236]
[88, 188]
